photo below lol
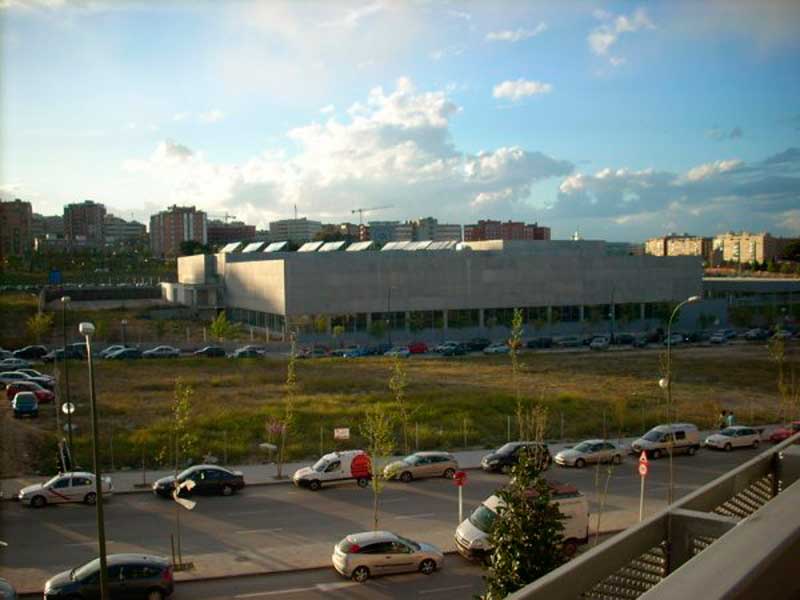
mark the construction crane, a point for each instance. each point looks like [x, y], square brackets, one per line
[361, 211]
[225, 218]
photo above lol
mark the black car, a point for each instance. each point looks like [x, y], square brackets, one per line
[455, 350]
[125, 354]
[540, 342]
[208, 479]
[58, 354]
[210, 352]
[129, 576]
[30, 352]
[505, 457]
[478, 344]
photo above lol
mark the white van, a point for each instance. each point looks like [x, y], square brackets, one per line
[335, 467]
[472, 536]
[656, 441]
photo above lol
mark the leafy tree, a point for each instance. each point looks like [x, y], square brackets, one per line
[527, 535]
[792, 251]
[397, 384]
[377, 329]
[223, 329]
[377, 432]
[39, 324]
[337, 332]
[321, 324]
[190, 247]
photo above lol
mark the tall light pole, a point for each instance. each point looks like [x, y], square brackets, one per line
[87, 330]
[666, 383]
[64, 301]
[124, 324]
[389, 313]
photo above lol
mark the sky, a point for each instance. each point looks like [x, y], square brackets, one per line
[619, 120]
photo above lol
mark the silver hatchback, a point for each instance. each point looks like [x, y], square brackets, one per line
[373, 553]
[422, 464]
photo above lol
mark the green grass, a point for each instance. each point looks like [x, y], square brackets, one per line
[233, 399]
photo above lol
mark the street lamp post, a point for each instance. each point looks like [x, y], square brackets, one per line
[666, 383]
[389, 313]
[124, 324]
[64, 301]
[87, 330]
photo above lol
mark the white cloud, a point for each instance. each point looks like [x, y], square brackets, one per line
[212, 116]
[181, 116]
[707, 170]
[603, 37]
[516, 35]
[327, 109]
[395, 144]
[521, 88]
[446, 52]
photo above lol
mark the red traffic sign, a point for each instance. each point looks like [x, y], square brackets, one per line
[643, 458]
[460, 478]
[643, 469]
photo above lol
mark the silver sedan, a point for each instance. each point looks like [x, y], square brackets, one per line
[360, 556]
[590, 451]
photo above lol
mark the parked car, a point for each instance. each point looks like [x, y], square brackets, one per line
[30, 352]
[718, 337]
[478, 344]
[12, 364]
[76, 486]
[599, 343]
[623, 339]
[110, 350]
[79, 348]
[737, 436]
[401, 351]
[314, 352]
[249, 352]
[37, 375]
[497, 348]
[208, 480]
[355, 352]
[4, 354]
[444, 345]
[378, 349]
[129, 576]
[360, 556]
[588, 452]
[418, 347]
[210, 352]
[21, 375]
[756, 335]
[422, 464]
[126, 354]
[698, 336]
[7, 591]
[684, 437]
[782, 334]
[42, 395]
[674, 339]
[640, 341]
[540, 342]
[505, 457]
[59, 354]
[161, 352]
[25, 404]
[336, 467]
[784, 433]
[472, 535]
[569, 341]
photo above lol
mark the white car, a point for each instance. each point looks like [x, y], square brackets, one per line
[737, 436]
[162, 352]
[106, 352]
[590, 451]
[12, 364]
[77, 486]
[401, 351]
[599, 343]
[499, 348]
[718, 337]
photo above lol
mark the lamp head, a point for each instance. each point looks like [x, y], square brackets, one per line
[86, 329]
[65, 299]
[693, 299]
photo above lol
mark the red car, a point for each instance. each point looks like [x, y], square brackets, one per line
[418, 347]
[42, 395]
[784, 433]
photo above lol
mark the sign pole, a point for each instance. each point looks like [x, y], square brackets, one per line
[641, 501]
[643, 468]
[460, 504]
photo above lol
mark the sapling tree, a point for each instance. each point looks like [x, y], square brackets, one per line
[38, 325]
[376, 429]
[397, 384]
[281, 427]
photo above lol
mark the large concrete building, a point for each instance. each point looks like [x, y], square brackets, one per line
[221, 232]
[297, 231]
[682, 245]
[16, 219]
[178, 224]
[84, 224]
[432, 294]
[747, 247]
[509, 230]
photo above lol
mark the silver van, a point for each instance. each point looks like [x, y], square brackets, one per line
[684, 438]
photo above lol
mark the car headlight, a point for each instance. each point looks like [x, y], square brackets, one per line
[479, 544]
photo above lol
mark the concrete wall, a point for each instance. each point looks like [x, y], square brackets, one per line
[256, 285]
[196, 269]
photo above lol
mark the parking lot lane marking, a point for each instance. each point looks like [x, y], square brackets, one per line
[419, 516]
[446, 589]
[390, 500]
[320, 587]
[260, 530]
[330, 587]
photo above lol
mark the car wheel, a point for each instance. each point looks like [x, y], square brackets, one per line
[449, 473]
[405, 477]
[728, 447]
[580, 463]
[505, 469]
[756, 443]
[363, 482]
[90, 498]
[427, 566]
[360, 574]
[617, 460]
[38, 501]
[691, 451]
[570, 548]
[314, 485]
[656, 453]
[227, 490]
[155, 595]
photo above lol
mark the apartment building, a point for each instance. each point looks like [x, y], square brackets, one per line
[15, 228]
[298, 231]
[120, 231]
[745, 247]
[220, 233]
[682, 245]
[509, 230]
[177, 224]
[84, 223]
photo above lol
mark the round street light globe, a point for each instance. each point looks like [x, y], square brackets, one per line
[86, 329]
[663, 383]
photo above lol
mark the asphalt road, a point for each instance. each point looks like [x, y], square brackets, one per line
[279, 527]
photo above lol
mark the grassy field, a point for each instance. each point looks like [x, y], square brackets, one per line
[456, 403]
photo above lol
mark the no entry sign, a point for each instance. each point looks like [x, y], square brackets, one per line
[460, 478]
[643, 469]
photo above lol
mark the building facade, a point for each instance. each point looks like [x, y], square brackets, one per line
[509, 230]
[220, 233]
[298, 231]
[84, 223]
[747, 247]
[381, 232]
[178, 224]
[682, 245]
[119, 231]
[43, 226]
[16, 220]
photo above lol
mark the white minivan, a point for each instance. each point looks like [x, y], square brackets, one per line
[684, 438]
[348, 465]
[472, 536]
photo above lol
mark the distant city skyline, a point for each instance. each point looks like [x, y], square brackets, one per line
[620, 120]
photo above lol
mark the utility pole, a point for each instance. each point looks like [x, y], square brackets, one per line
[64, 301]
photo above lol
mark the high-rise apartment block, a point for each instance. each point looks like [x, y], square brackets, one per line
[84, 223]
[294, 230]
[178, 224]
[15, 228]
[682, 245]
[747, 247]
[509, 230]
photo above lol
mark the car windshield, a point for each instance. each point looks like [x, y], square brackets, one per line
[507, 448]
[414, 545]
[52, 480]
[184, 474]
[483, 518]
[729, 432]
[86, 570]
[583, 447]
[653, 436]
[412, 459]
[320, 465]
